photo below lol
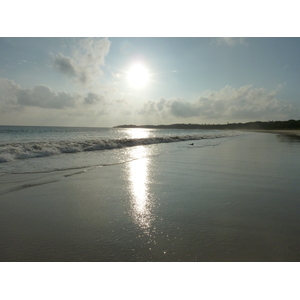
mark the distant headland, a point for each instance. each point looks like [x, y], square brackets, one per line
[257, 125]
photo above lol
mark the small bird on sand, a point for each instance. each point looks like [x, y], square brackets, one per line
[192, 144]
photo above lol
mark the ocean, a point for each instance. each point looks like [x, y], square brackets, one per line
[112, 194]
[28, 149]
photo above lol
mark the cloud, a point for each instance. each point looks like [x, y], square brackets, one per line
[229, 104]
[66, 65]
[43, 96]
[7, 88]
[116, 75]
[40, 96]
[84, 64]
[230, 41]
[93, 98]
[13, 96]
[239, 104]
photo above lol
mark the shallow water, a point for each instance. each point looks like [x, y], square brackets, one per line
[237, 200]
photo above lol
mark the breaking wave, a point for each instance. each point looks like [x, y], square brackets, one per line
[15, 151]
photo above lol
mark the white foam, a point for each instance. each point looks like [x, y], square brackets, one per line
[16, 151]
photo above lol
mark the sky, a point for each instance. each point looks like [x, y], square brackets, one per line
[109, 81]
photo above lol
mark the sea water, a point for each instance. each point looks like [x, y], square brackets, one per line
[33, 149]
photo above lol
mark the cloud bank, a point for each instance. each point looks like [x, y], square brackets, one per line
[226, 105]
[13, 96]
[239, 104]
[86, 59]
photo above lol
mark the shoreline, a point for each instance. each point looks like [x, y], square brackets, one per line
[295, 132]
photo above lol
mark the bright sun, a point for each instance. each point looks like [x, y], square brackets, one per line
[138, 76]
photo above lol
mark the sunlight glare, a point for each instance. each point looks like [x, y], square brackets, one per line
[138, 76]
[141, 198]
[138, 133]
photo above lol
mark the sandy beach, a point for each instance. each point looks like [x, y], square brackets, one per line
[283, 132]
[237, 201]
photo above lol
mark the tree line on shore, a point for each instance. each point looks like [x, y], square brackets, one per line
[257, 125]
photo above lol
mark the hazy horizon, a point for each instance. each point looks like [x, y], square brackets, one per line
[105, 82]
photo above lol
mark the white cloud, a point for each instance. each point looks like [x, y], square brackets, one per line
[66, 65]
[87, 58]
[12, 96]
[43, 96]
[93, 98]
[7, 89]
[243, 104]
[229, 104]
[117, 75]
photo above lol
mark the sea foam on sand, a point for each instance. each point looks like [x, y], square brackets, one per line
[237, 201]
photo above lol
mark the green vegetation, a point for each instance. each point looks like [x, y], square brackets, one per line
[258, 125]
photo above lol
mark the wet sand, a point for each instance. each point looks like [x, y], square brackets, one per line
[238, 201]
[286, 132]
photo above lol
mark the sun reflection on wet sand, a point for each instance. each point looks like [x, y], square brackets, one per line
[141, 202]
